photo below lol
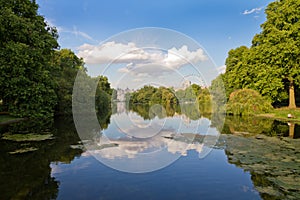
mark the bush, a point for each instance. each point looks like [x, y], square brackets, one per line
[247, 102]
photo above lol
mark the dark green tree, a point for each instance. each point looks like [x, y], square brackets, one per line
[65, 68]
[27, 45]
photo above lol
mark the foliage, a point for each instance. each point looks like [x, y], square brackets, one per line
[189, 94]
[247, 102]
[205, 101]
[65, 68]
[26, 49]
[271, 65]
[237, 74]
[152, 95]
[218, 94]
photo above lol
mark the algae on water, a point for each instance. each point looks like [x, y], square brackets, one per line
[272, 161]
[27, 137]
[23, 150]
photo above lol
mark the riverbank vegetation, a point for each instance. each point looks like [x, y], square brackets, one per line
[36, 77]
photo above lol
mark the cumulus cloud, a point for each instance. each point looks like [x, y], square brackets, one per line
[140, 60]
[112, 52]
[222, 69]
[254, 10]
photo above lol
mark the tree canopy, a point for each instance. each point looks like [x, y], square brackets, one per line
[26, 47]
[271, 64]
[36, 78]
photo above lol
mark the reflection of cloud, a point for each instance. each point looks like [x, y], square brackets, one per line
[254, 10]
[58, 169]
[131, 147]
[140, 60]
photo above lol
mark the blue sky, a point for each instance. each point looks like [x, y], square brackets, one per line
[217, 25]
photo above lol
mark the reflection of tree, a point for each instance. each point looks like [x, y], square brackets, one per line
[190, 110]
[247, 125]
[253, 125]
[28, 175]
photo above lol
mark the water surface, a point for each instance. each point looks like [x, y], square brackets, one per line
[63, 168]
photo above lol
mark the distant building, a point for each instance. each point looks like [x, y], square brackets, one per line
[121, 94]
[186, 84]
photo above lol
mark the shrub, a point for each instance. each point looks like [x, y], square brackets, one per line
[247, 102]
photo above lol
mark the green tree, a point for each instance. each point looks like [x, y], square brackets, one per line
[279, 43]
[65, 68]
[237, 73]
[27, 45]
[218, 93]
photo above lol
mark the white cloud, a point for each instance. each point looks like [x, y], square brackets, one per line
[112, 52]
[140, 60]
[137, 80]
[254, 10]
[222, 69]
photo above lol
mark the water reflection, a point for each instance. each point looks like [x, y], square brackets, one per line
[262, 147]
[153, 135]
[28, 175]
[249, 126]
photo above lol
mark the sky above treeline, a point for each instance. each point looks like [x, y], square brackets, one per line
[89, 28]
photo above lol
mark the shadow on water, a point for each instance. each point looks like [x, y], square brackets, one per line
[27, 174]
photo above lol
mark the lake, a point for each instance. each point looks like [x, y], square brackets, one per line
[156, 152]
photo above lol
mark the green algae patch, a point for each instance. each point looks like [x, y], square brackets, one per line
[23, 150]
[272, 161]
[30, 137]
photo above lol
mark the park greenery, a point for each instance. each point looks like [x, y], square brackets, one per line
[169, 97]
[258, 77]
[271, 65]
[36, 77]
[246, 102]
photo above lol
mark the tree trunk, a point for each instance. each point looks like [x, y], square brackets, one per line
[292, 103]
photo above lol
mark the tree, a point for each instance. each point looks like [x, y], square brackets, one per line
[279, 45]
[237, 73]
[27, 45]
[218, 93]
[64, 71]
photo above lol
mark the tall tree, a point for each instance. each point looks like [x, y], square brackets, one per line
[64, 71]
[26, 48]
[237, 73]
[279, 44]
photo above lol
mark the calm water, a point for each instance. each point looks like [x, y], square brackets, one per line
[186, 158]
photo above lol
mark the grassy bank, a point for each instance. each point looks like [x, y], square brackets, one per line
[282, 114]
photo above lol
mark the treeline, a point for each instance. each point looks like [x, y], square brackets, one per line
[271, 65]
[36, 78]
[149, 95]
